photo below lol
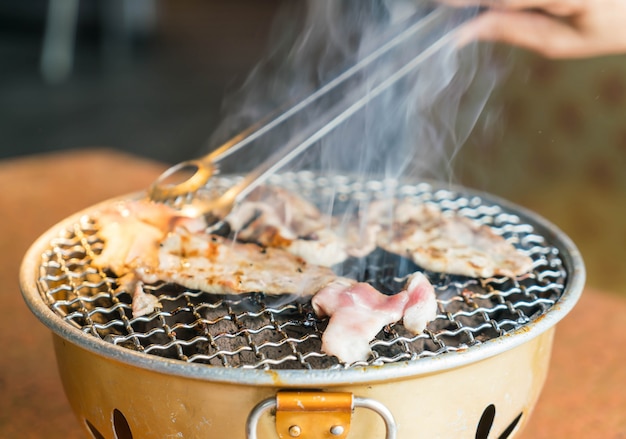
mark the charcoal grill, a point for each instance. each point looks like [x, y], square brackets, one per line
[252, 366]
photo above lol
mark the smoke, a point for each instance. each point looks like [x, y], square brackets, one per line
[404, 113]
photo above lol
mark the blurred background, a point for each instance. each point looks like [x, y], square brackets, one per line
[150, 77]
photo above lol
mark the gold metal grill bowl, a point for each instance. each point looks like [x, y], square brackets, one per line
[252, 366]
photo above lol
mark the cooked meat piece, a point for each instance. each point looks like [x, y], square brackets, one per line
[325, 248]
[275, 217]
[143, 303]
[133, 229]
[218, 265]
[445, 242]
[147, 243]
[357, 313]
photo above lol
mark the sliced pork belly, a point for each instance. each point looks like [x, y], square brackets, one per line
[445, 242]
[357, 313]
[421, 307]
[275, 217]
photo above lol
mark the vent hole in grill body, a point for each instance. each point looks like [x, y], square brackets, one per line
[120, 426]
[511, 428]
[93, 430]
[486, 422]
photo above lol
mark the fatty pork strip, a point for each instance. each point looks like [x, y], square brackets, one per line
[147, 243]
[445, 242]
[421, 307]
[275, 217]
[358, 312]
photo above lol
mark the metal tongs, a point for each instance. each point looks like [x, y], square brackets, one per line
[422, 37]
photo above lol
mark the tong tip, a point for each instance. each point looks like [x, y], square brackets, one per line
[181, 179]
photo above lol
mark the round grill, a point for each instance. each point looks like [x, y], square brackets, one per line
[262, 332]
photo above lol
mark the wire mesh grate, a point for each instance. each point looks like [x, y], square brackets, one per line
[268, 332]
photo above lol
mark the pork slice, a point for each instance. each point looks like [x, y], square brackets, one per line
[275, 217]
[357, 313]
[146, 243]
[218, 265]
[447, 243]
[132, 230]
[143, 303]
[421, 307]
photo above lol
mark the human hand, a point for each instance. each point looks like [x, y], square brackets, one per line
[553, 28]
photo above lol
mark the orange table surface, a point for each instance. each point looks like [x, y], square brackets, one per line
[584, 395]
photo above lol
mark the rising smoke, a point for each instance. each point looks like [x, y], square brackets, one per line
[411, 129]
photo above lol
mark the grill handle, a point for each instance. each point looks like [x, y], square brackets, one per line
[312, 403]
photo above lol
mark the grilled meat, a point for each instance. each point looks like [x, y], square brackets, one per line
[133, 230]
[220, 266]
[445, 242]
[148, 243]
[275, 217]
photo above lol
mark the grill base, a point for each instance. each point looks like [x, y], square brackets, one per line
[454, 403]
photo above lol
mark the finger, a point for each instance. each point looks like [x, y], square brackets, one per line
[529, 30]
[563, 8]
[554, 7]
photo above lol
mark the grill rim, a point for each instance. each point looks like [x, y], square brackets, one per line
[569, 253]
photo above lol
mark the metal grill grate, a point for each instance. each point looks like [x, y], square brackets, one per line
[263, 332]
